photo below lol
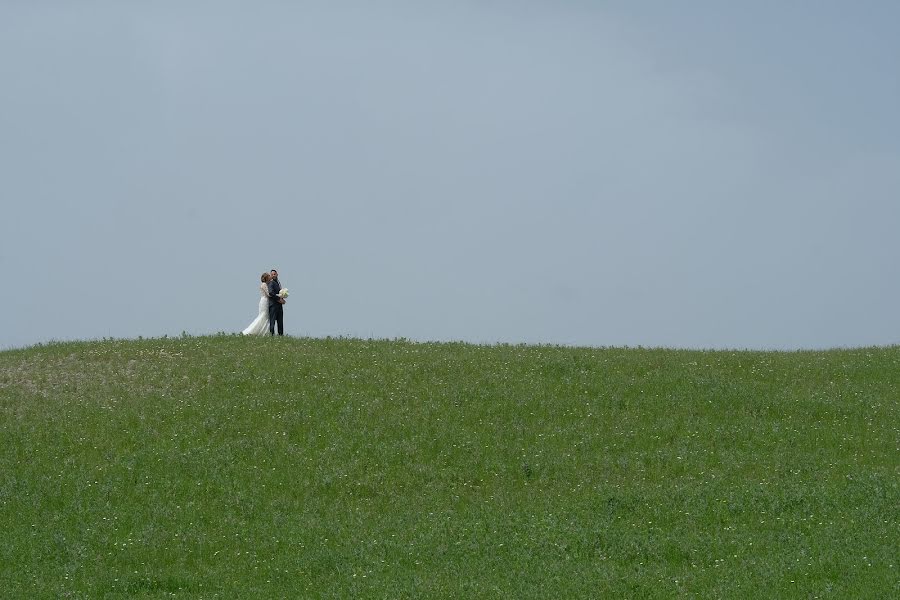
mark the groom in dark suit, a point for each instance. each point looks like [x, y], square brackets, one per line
[276, 305]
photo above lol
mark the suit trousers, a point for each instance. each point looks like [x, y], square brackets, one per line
[276, 315]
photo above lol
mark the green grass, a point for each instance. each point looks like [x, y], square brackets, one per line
[266, 468]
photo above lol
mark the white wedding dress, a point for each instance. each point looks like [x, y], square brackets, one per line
[260, 325]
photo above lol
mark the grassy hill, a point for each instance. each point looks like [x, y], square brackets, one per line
[239, 468]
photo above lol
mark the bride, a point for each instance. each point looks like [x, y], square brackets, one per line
[260, 325]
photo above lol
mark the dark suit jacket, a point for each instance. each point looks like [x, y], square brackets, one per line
[274, 288]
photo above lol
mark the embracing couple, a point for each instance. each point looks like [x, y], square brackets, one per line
[271, 306]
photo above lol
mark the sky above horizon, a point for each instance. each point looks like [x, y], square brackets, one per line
[707, 175]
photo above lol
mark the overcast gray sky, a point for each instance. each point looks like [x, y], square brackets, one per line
[711, 174]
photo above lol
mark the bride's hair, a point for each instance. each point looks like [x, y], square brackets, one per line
[264, 278]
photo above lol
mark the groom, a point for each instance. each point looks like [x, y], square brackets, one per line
[276, 308]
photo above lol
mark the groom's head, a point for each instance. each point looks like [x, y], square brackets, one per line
[274, 274]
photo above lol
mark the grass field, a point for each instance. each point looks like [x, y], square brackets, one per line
[331, 468]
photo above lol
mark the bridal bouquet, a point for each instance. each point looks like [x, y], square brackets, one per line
[283, 293]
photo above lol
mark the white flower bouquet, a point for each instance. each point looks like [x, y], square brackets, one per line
[283, 293]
